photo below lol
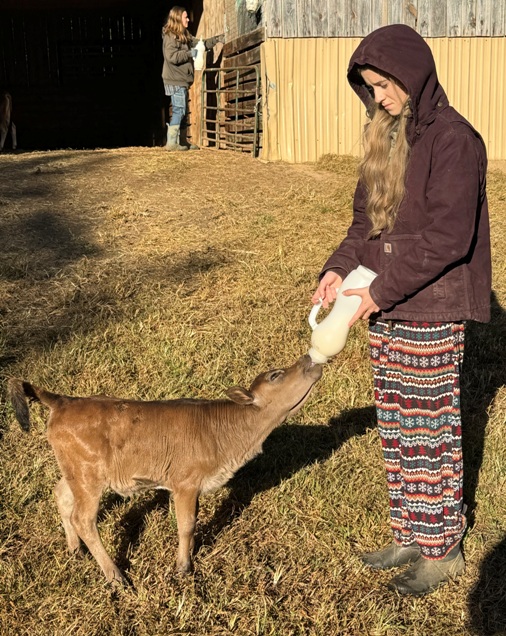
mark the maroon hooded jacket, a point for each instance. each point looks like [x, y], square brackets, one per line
[435, 264]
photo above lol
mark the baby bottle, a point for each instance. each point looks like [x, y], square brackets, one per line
[329, 336]
[199, 60]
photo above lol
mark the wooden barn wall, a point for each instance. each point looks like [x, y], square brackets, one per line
[310, 110]
[212, 22]
[238, 20]
[357, 18]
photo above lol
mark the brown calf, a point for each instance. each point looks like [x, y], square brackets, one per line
[186, 446]
[6, 122]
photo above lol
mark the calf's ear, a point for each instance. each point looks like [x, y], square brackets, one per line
[240, 396]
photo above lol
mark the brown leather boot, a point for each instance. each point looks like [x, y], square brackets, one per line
[392, 556]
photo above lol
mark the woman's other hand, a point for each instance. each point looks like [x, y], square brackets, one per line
[367, 305]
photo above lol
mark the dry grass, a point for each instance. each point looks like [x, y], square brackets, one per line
[140, 273]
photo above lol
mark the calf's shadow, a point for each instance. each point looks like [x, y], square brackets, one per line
[288, 449]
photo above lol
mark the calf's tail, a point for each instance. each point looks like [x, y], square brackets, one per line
[20, 392]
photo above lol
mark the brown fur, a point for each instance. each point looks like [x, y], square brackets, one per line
[6, 122]
[189, 447]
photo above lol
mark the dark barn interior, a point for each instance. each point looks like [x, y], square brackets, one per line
[86, 73]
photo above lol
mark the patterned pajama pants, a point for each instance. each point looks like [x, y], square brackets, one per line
[416, 370]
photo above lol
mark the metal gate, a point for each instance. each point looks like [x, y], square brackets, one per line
[231, 108]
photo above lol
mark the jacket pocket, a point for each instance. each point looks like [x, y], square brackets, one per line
[394, 246]
[443, 294]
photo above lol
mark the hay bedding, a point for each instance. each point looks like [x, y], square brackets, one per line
[85, 232]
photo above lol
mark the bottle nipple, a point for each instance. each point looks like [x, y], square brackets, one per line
[316, 356]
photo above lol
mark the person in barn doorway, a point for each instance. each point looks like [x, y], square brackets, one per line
[178, 73]
[420, 221]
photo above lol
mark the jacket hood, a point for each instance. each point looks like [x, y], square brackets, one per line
[400, 52]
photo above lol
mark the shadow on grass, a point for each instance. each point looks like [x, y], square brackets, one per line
[487, 601]
[48, 235]
[287, 450]
[484, 375]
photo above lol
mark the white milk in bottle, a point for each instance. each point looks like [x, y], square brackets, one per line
[198, 63]
[329, 336]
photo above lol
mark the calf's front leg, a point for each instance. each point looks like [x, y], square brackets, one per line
[185, 503]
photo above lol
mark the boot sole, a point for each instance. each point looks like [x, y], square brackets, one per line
[390, 566]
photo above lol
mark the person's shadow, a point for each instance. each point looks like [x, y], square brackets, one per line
[487, 601]
[484, 374]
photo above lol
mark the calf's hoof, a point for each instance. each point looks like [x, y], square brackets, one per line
[184, 568]
[77, 552]
[119, 584]
[116, 579]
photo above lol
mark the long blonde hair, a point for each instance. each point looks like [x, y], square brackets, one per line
[175, 26]
[383, 168]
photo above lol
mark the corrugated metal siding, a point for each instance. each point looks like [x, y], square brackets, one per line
[310, 110]
[472, 70]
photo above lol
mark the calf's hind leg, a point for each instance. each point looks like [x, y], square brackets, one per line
[84, 521]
